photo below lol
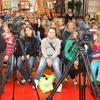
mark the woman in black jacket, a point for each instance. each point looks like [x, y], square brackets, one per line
[27, 47]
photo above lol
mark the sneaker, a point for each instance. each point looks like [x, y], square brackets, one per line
[74, 81]
[98, 83]
[23, 81]
[29, 80]
[36, 83]
[59, 88]
[66, 79]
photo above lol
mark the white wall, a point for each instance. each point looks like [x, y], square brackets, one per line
[14, 4]
[94, 6]
[34, 4]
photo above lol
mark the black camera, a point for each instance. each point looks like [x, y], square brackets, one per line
[85, 37]
[17, 24]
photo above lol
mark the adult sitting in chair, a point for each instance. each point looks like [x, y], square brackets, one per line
[27, 47]
[50, 47]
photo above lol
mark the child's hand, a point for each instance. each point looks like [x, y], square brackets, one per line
[76, 63]
[23, 58]
[97, 55]
[6, 58]
[49, 62]
[28, 56]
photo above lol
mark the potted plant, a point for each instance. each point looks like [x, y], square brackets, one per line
[78, 5]
[71, 4]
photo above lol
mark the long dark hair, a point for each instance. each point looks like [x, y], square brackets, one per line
[29, 27]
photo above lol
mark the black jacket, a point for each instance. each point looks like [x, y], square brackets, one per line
[68, 18]
[29, 46]
[2, 44]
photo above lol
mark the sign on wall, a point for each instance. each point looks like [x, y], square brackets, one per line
[25, 5]
[6, 4]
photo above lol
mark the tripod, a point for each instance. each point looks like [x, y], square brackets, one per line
[13, 68]
[28, 68]
[6, 75]
[82, 87]
[1, 63]
[14, 78]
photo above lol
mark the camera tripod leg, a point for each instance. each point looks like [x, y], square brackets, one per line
[14, 81]
[87, 66]
[8, 73]
[1, 76]
[80, 87]
[32, 79]
[82, 84]
[65, 73]
[83, 89]
[0, 81]
[5, 77]
[28, 69]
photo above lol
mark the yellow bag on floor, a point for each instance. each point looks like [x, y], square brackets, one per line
[46, 82]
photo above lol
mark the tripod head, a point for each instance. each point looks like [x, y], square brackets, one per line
[83, 40]
[80, 45]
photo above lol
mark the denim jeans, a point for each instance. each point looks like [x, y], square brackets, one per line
[72, 73]
[10, 65]
[55, 65]
[23, 71]
[1, 62]
[95, 65]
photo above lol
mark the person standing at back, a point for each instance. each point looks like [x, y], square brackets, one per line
[69, 16]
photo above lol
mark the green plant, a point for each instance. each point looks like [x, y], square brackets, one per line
[71, 4]
[78, 5]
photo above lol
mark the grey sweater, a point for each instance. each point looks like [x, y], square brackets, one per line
[47, 50]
